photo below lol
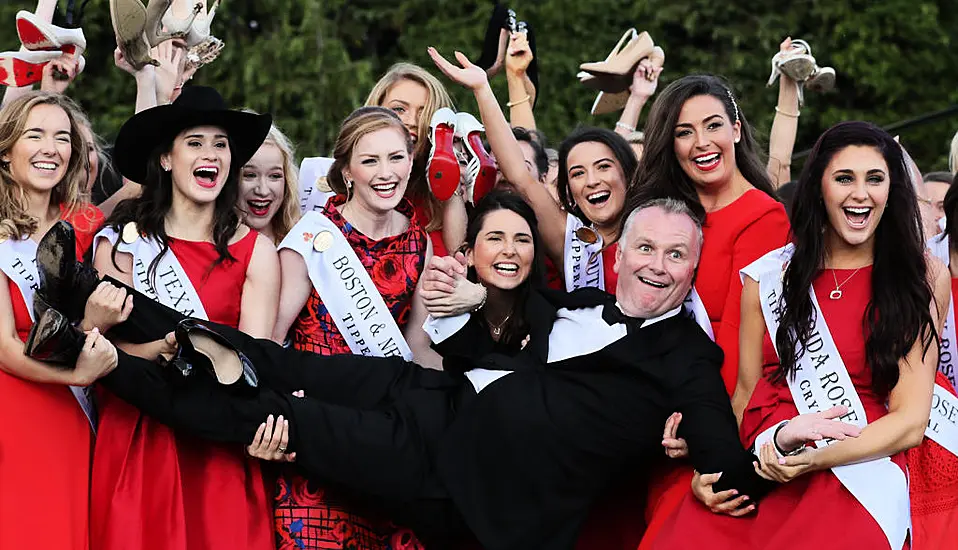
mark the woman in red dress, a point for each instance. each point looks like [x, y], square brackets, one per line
[859, 260]
[45, 459]
[370, 174]
[415, 95]
[182, 243]
[700, 148]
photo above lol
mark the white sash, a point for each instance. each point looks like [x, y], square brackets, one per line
[821, 381]
[169, 285]
[946, 356]
[943, 423]
[349, 294]
[18, 261]
[311, 195]
[583, 261]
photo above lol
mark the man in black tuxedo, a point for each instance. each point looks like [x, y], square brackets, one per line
[516, 447]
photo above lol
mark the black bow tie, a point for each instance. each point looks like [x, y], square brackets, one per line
[612, 315]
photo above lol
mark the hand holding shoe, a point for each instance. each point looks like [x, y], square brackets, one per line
[518, 54]
[60, 73]
[645, 80]
[468, 75]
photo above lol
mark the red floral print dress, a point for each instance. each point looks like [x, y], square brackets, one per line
[310, 515]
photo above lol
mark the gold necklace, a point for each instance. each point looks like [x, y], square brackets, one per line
[837, 293]
[497, 329]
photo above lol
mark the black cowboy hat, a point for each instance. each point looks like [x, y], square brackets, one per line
[196, 106]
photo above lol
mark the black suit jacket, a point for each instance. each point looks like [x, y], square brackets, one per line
[525, 458]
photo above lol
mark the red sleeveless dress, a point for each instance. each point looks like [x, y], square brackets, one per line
[815, 502]
[45, 444]
[308, 515]
[154, 489]
[735, 236]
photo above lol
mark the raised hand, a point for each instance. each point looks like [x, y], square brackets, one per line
[469, 75]
[518, 54]
[171, 55]
[60, 73]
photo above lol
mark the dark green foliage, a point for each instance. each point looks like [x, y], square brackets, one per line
[310, 62]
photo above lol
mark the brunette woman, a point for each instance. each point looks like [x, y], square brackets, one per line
[857, 260]
[182, 244]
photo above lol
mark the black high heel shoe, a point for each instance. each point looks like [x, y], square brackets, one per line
[53, 339]
[201, 346]
[493, 56]
[65, 283]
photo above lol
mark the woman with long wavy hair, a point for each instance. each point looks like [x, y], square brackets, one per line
[44, 461]
[852, 308]
[699, 147]
[182, 243]
[269, 188]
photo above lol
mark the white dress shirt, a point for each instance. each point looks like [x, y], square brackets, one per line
[575, 332]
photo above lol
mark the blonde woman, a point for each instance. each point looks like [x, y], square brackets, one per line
[269, 188]
[45, 458]
[415, 95]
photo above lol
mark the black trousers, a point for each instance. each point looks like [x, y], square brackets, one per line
[370, 425]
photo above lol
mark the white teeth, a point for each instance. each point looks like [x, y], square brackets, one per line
[598, 196]
[706, 158]
[45, 165]
[511, 268]
[385, 188]
[860, 210]
[656, 284]
[260, 204]
[206, 173]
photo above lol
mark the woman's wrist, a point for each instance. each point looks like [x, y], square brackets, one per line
[481, 296]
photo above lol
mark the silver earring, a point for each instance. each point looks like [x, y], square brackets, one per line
[349, 184]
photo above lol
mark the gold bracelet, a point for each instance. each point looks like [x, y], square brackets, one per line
[783, 113]
[512, 104]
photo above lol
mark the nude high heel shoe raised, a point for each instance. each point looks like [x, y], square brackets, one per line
[624, 62]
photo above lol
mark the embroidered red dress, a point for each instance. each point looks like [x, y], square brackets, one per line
[45, 444]
[154, 489]
[817, 501]
[309, 515]
[735, 236]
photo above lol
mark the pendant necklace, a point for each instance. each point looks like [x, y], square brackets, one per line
[497, 329]
[837, 293]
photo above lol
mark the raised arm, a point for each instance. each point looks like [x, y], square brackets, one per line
[645, 80]
[781, 139]
[521, 98]
[552, 219]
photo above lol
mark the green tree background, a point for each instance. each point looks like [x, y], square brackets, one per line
[310, 62]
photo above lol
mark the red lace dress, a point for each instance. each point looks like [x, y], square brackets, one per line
[154, 489]
[933, 485]
[735, 236]
[815, 502]
[309, 515]
[44, 445]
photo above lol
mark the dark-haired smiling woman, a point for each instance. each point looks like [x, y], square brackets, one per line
[182, 243]
[700, 148]
[852, 309]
